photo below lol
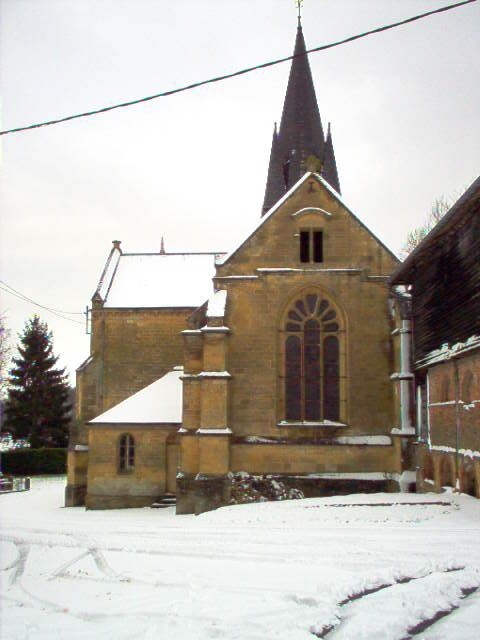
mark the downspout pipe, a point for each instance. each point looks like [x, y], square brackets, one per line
[457, 422]
[405, 377]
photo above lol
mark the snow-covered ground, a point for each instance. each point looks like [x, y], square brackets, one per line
[346, 568]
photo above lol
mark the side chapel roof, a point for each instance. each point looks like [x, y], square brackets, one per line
[158, 403]
[155, 280]
[300, 138]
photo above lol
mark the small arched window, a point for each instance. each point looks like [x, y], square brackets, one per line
[467, 387]
[312, 361]
[126, 458]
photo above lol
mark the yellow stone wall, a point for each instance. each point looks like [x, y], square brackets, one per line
[77, 466]
[347, 242]
[107, 487]
[214, 454]
[349, 277]
[304, 459]
[132, 348]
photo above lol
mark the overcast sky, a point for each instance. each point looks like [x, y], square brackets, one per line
[404, 109]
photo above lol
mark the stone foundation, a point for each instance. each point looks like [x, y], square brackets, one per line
[117, 502]
[200, 493]
[75, 495]
[185, 493]
[211, 492]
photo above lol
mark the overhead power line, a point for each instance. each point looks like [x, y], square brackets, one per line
[8, 289]
[238, 73]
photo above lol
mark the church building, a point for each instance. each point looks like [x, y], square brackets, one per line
[277, 358]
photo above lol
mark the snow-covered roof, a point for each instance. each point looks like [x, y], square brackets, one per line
[159, 403]
[216, 304]
[159, 280]
[109, 271]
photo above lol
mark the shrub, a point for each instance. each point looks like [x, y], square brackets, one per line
[21, 462]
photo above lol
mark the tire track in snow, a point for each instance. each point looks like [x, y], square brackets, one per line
[441, 613]
[329, 631]
[19, 563]
[204, 550]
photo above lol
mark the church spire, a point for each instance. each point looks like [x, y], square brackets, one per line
[300, 138]
[275, 181]
[329, 169]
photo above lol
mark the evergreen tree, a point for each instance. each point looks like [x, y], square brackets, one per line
[37, 406]
[4, 354]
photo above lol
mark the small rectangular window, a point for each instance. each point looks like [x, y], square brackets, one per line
[317, 246]
[311, 246]
[304, 246]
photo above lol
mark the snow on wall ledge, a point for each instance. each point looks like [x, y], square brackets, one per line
[446, 351]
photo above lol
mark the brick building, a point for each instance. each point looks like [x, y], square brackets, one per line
[443, 305]
[275, 358]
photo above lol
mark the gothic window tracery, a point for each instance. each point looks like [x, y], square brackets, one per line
[312, 360]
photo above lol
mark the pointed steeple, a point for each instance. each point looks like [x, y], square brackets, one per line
[275, 182]
[329, 169]
[300, 139]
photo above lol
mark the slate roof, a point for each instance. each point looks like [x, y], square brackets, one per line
[300, 134]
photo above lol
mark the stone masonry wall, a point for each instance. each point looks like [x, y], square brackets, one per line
[132, 348]
[110, 488]
[257, 304]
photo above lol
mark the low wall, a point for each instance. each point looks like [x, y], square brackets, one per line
[310, 458]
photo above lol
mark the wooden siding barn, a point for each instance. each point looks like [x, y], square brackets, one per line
[444, 273]
[442, 276]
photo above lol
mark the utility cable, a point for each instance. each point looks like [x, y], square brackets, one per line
[238, 73]
[24, 298]
[73, 313]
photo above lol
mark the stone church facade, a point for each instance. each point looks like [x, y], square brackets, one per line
[279, 358]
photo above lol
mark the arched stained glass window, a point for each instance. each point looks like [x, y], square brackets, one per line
[312, 361]
[293, 360]
[311, 369]
[126, 458]
[331, 378]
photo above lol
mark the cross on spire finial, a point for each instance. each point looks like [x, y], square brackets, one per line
[299, 4]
